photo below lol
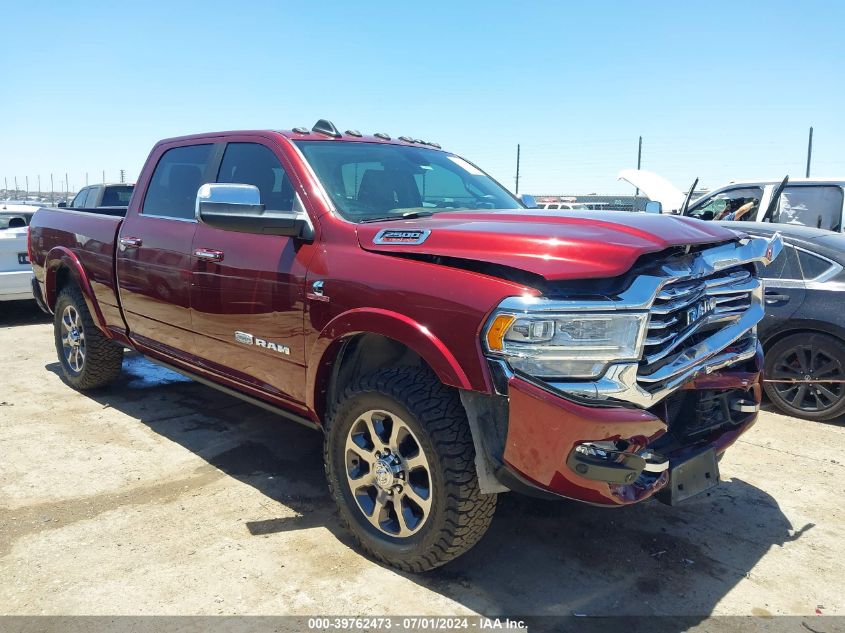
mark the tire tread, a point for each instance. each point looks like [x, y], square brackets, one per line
[103, 358]
[468, 512]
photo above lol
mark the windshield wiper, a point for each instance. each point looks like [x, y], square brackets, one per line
[408, 215]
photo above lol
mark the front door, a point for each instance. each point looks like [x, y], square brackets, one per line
[154, 260]
[784, 289]
[248, 290]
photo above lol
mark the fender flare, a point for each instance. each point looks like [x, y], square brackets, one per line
[392, 325]
[63, 257]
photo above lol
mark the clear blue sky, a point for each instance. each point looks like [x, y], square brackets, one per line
[720, 90]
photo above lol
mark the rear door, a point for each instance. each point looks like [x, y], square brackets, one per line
[154, 258]
[248, 290]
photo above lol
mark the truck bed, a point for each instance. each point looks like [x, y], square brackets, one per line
[118, 212]
[86, 238]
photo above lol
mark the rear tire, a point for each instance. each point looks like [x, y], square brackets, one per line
[88, 359]
[400, 464]
[807, 356]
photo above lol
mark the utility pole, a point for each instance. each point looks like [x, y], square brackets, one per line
[6, 186]
[517, 169]
[639, 161]
[104, 176]
[52, 190]
[809, 151]
[39, 185]
[26, 194]
[67, 187]
[86, 178]
[122, 175]
[16, 187]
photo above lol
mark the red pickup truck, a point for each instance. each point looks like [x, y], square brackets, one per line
[450, 343]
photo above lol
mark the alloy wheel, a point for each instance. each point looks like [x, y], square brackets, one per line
[388, 473]
[815, 372]
[73, 339]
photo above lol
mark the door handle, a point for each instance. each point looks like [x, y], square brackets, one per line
[774, 297]
[209, 254]
[130, 242]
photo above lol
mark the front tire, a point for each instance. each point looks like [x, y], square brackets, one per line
[88, 359]
[400, 464]
[807, 357]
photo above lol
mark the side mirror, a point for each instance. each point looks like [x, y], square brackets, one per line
[62, 205]
[236, 207]
[653, 206]
[528, 201]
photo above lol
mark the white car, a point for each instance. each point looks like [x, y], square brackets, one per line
[15, 269]
[813, 202]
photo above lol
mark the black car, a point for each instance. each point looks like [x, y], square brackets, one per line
[803, 333]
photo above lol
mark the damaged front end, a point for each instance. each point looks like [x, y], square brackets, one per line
[607, 397]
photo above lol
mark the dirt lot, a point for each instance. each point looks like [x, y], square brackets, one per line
[162, 496]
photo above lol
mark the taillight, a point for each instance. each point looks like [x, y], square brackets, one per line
[29, 244]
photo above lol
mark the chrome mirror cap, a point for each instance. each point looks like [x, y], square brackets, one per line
[244, 196]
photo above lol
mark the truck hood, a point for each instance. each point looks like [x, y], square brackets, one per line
[570, 245]
[656, 187]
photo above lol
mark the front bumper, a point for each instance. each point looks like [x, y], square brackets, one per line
[544, 428]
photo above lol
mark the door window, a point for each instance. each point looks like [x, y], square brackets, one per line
[255, 164]
[741, 203]
[814, 266]
[785, 266]
[180, 172]
[819, 207]
[79, 200]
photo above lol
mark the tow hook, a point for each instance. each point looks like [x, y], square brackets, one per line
[602, 461]
[744, 406]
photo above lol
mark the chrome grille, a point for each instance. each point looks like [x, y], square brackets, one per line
[687, 307]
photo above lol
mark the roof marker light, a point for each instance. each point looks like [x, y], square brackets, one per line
[301, 130]
[407, 139]
[382, 135]
[354, 133]
[324, 126]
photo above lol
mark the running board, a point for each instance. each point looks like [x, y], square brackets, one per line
[237, 394]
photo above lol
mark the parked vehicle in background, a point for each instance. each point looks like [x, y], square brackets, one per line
[564, 206]
[104, 198]
[813, 202]
[15, 269]
[803, 332]
[449, 342]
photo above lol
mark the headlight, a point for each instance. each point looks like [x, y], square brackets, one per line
[575, 345]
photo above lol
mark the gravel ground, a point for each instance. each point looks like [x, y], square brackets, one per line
[161, 496]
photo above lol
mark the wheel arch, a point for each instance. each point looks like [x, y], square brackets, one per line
[364, 340]
[62, 267]
[801, 326]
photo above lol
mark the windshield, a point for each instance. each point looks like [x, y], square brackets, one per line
[368, 181]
